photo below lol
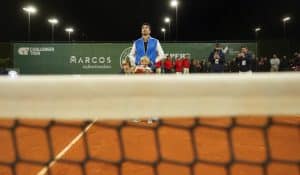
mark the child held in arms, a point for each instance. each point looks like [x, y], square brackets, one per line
[143, 68]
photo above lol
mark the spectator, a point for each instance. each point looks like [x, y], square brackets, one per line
[193, 66]
[217, 60]
[3, 71]
[198, 66]
[168, 65]
[204, 66]
[244, 60]
[178, 65]
[158, 67]
[297, 63]
[201, 63]
[284, 64]
[254, 63]
[186, 64]
[261, 66]
[233, 66]
[267, 65]
[126, 67]
[275, 63]
[226, 67]
[291, 62]
[295, 54]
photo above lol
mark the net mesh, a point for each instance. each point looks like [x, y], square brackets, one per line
[190, 146]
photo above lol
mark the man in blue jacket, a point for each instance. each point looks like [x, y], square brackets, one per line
[146, 46]
[217, 60]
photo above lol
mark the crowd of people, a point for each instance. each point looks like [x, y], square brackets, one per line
[217, 63]
[248, 63]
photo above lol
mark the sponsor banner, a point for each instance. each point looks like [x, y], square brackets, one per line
[103, 58]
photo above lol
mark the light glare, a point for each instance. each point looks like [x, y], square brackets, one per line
[257, 29]
[174, 3]
[286, 19]
[30, 9]
[70, 30]
[167, 20]
[53, 21]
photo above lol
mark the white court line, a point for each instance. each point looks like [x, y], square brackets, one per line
[66, 149]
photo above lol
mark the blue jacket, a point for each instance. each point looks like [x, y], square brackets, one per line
[151, 52]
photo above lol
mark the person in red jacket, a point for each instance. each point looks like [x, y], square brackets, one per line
[158, 67]
[168, 65]
[178, 65]
[186, 64]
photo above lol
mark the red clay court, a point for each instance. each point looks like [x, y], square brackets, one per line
[196, 146]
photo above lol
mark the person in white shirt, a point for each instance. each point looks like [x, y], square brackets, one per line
[275, 63]
[146, 46]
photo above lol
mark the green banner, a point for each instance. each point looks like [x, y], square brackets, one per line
[100, 58]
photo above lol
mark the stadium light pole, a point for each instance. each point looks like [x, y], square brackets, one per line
[69, 30]
[53, 22]
[257, 30]
[168, 21]
[285, 20]
[174, 4]
[29, 10]
[163, 30]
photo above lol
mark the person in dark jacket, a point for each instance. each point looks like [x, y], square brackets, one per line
[233, 66]
[261, 65]
[267, 64]
[254, 63]
[3, 71]
[284, 64]
[217, 60]
[204, 66]
[193, 66]
[244, 60]
[297, 63]
[198, 66]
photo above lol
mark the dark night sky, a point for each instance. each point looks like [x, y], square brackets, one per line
[120, 20]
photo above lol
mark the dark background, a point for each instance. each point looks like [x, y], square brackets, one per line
[120, 20]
